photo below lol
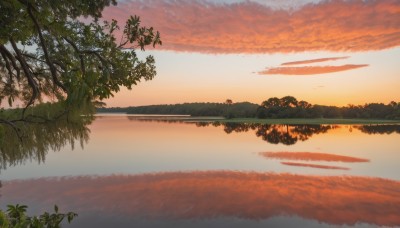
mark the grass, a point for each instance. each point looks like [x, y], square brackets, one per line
[297, 121]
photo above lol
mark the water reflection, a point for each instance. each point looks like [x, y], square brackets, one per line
[311, 156]
[40, 138]
[336, 200]
[379, 129]
[275, 133]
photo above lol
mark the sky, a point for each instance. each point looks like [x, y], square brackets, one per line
[325, 52]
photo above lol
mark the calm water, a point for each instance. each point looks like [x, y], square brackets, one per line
[137, 172]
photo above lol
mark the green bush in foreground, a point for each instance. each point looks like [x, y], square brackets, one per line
[15, 217]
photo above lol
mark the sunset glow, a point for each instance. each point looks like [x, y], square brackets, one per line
[249, 27]
[213, 50]
[310, 69]
[313, 61]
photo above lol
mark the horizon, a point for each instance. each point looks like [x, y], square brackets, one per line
[234, 102]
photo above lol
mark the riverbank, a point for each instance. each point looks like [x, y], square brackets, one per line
[306, 121]
[260, 121]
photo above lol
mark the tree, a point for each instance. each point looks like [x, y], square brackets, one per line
[228, 101]
[47, 50]
[288, 101]
[271, 102]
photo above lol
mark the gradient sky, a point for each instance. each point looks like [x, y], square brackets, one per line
[348, 51]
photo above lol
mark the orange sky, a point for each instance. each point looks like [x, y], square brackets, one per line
[211, 50]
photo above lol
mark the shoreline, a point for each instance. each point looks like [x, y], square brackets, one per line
[186, 118]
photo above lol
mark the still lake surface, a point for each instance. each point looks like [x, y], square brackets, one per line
[128, 171]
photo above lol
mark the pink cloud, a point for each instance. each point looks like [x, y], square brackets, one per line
[313, 61]
[248, 27]
[310, 70]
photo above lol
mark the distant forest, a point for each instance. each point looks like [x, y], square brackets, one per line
[285, 107]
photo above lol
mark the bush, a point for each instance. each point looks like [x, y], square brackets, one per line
[15, 217]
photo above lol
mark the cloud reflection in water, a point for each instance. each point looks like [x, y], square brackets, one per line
[338, 200]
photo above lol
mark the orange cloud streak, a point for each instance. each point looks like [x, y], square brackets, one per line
[314, 165]
[248, 27]
[339, 200]
[310, 70]
[311, 156]
[313, 61]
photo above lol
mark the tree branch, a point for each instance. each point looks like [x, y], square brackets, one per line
[8, 66]
[12, 60]
[45, 51]
[79, 53]
[32, 83]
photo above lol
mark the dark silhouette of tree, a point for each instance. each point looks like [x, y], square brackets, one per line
[285, 107]
[288, 101]
[289, 107]
[228, 102]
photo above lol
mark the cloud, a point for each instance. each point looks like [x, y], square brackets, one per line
[249, 27]
[314, 165]
[337, 200]
[313, 61]
[311, 156]
[309, 70]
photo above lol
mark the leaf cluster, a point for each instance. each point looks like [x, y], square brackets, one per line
[61, 50]
[16, 217]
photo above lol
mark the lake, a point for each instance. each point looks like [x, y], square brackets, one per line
[129, 171]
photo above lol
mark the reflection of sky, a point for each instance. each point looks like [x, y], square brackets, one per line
[159, 174]
[334, 200]
[118, 145]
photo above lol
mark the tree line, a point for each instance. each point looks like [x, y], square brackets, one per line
[227, 109]
[272, 108]
[290, 107]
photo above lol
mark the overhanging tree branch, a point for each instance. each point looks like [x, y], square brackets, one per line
[79, 54]
[53, 70]
[28, 74]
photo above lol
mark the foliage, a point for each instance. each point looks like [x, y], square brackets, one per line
[289, 107]
[15, 217]
[48, 49]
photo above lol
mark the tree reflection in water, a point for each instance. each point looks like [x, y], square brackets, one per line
[274, 133]
[40, 138]
[379, 129]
